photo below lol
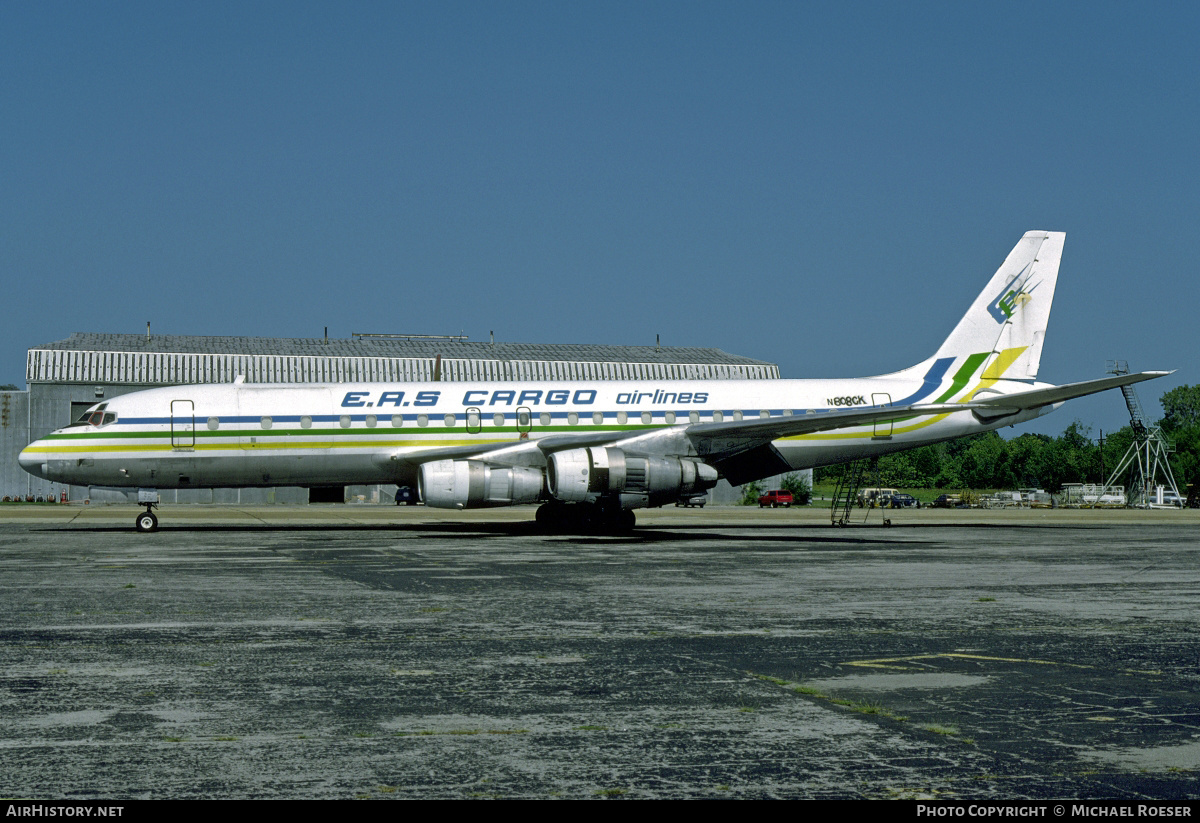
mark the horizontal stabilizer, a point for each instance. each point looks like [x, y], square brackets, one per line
[1037, 398]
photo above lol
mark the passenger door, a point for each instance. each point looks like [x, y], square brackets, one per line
[883, 428]
[183, 425]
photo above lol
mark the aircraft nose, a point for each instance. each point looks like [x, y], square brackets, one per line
[32, 461]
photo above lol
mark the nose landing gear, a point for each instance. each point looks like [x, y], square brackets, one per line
[146, 521]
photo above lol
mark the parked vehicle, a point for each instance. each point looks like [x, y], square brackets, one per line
[406, 496]
[900, 500]
[875, 497]
[694, 500]
[947, 501]
[776, 498]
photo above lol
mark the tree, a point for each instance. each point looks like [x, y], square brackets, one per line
[985, 463]
[1181, 408]
[751, 492]
[1030, 460]
[798, 485]
[1079, 457]
[1181, 424]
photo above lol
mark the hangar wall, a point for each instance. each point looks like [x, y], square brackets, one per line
[14, 436]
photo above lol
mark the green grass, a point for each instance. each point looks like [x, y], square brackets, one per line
[951, 731]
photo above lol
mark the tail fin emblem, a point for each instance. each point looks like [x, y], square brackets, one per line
[1017, 293]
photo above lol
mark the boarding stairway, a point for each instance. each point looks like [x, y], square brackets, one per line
[845, 493]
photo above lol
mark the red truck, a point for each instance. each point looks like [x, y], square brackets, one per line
[776, 497]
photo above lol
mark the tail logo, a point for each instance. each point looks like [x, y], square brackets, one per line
[1015, 294]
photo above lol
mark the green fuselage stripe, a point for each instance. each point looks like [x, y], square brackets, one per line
[963, 375]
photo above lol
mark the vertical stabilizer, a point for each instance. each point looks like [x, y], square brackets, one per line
[1007, 321]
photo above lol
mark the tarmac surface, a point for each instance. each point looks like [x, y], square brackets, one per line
[384, 652]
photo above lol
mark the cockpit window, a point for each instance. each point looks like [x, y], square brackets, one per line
[93, 417]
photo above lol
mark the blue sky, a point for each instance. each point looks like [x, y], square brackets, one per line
[825, 186]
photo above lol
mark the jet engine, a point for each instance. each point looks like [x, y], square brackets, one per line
[580, 475]
[473, 484]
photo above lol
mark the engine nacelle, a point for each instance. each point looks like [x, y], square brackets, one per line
[580, 475]
[473, 484]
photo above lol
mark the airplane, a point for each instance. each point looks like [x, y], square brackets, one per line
[589, 452]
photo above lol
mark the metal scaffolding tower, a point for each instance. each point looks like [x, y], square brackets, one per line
[1147, 456]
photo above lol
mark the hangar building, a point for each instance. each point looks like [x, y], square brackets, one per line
[66, 377]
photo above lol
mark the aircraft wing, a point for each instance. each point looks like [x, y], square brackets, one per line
[718, 442]
[990, 405]
[710, 439]
[740, 449]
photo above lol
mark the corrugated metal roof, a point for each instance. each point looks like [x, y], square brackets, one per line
[392, 347]
[178, 359]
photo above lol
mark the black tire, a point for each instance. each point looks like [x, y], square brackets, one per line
[550, 517]
[146, 522]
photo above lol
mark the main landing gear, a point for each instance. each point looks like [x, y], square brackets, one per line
[585, 518]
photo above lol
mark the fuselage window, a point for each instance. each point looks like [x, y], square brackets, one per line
[544, 417]
[397, 421]
[450, 420]
[764, 413]
[647, 417]
[306, 422]
[718, 417]
[572, 419]
[598, 418]
[694, 416]
[498, 418]
[622, 418]
[422, 420]
[265, 422]
[670, 417]
[344, 422]
[214, 423]
[737, 415]
[372, 421]
[109, 417]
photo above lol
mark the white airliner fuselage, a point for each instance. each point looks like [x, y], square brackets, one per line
[609, 446]
[272, 435]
